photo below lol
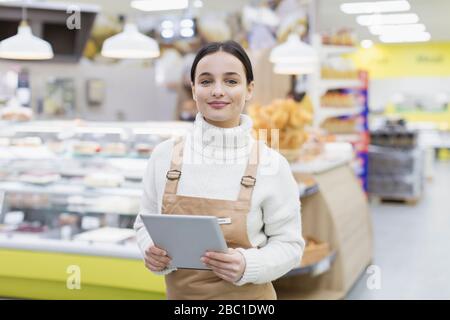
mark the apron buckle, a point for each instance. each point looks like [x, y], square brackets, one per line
[173, 174]
[248, 181]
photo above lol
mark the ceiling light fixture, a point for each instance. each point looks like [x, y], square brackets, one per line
[392, 19]
[401, 28]
[293, 51]
[159, 5]
[375, 7]
[24, 45]
[294, 57]
[399, 38]
[130, 44]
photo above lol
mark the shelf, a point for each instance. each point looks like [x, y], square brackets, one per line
[320, 165]
[68, 190]
[328, 49]
[330, 84]
[35, 243]
[315, 269]
[330, 112]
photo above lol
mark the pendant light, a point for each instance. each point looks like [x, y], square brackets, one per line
[294, 56]
[130, 44]
[24, 45]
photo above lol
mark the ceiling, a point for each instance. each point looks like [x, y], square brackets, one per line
[432, 13]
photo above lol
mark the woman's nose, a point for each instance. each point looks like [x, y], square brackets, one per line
[217, 91]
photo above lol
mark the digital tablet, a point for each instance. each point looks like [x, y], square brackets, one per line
[185, 238]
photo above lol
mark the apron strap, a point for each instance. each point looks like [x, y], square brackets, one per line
[174, 174]
[248, 180]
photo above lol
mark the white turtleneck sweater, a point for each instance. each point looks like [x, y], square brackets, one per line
[214, 160]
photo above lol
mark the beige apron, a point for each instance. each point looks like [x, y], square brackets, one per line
[184, 284]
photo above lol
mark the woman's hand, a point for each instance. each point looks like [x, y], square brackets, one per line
[156, 259]
[229, 266]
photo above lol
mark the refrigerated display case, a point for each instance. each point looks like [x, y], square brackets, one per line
[69, 195]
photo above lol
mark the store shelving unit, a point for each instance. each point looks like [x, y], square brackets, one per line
[359, 137]
[331, 84]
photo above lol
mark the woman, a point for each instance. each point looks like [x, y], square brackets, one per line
[225, 173]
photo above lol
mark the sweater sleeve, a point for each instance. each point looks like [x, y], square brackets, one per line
[282, 226]
[148, 205]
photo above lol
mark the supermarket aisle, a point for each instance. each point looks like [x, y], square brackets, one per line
[412, 245]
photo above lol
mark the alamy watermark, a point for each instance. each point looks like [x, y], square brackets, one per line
[374, 279]
[73, 22]
[73, 281]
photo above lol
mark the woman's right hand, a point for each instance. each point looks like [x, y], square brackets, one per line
[156, 259]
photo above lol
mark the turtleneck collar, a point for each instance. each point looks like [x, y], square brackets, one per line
[218, 143]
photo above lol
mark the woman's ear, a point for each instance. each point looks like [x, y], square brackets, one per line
[250, 89]
[193, 91]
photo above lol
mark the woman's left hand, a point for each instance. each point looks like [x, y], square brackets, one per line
[229, 266]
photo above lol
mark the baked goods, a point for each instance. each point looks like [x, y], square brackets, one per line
[16, 113]
[86, 148]
[27, 142]
[39, 178]
[338, 100]
[4, 142]
[57, 147]
[315, 251]
[331, 73]
[289, 119]
[342, 37]
[65, 219]
[114, 149]
[105, 180]
[341, 125]
[143, 149]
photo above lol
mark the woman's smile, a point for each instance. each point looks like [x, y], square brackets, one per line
[218, 104]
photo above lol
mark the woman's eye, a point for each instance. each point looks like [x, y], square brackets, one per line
[231, 81]
[205, 82]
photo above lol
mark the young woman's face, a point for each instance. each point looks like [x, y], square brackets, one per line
[221, 89]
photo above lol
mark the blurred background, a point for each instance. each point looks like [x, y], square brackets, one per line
[358, 93]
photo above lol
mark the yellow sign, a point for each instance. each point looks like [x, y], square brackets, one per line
[404, 60]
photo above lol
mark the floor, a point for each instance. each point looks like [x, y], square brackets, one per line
[411, 246]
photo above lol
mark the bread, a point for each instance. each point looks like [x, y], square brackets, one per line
[287, 116]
